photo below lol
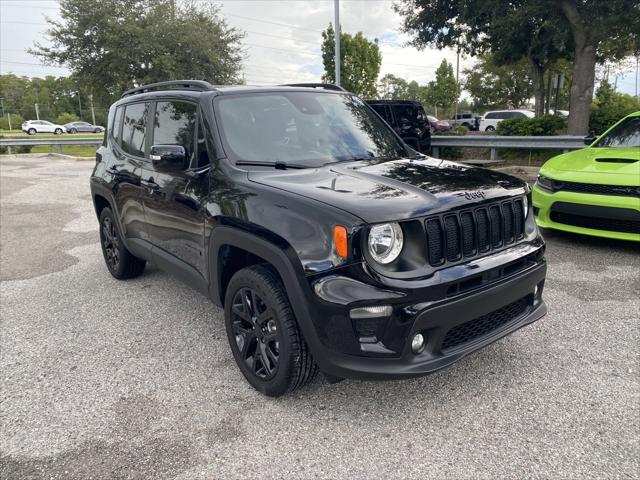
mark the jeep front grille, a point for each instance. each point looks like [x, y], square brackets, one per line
[469, 233]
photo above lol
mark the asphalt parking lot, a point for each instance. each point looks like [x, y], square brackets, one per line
[108, 379]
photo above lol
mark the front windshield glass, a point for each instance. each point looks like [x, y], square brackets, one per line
[625, 135]
[303, 128]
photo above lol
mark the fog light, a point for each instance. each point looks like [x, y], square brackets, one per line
[371, 312]
[417, 343]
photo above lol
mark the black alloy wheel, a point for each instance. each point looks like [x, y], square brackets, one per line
[256, 333]
[110, 243]
[122, 264]
[263, 332]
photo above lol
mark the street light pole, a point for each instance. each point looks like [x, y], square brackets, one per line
[336, 8]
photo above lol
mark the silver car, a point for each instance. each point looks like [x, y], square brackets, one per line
[77, 127]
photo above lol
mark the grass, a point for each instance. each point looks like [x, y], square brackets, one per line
[88, 151]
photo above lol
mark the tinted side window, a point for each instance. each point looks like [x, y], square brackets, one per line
[406, 113]
[134, 129]
[491, 115]
[175, 124]
[384, 112]
[117, 121]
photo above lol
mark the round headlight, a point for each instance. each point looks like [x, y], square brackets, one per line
[385, 242]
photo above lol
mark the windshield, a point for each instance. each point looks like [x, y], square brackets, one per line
[303, 128]
[625, 135]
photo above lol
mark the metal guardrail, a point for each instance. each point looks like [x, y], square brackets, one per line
[494, 142]
[56, 143]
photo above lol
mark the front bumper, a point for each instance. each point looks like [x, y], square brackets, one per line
[583, 210]
[453, 326]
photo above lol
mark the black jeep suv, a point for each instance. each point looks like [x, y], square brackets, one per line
[329, 242]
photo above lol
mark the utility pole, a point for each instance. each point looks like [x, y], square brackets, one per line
[336, 11]
[455, 117]
[80, 105]
[637, 59]
[93, 113]
[37, 111]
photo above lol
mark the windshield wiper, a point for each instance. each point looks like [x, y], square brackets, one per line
[276, 165]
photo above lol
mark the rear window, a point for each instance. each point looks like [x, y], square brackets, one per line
[134, 129]
[115, 128]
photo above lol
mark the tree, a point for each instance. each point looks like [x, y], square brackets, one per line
[360, 61]
[605, 28]
[543, 31]
[510, 30]
[113, 45]
[610, 106]
[494, 86]
[443, 91]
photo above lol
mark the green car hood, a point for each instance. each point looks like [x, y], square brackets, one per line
[620, 166]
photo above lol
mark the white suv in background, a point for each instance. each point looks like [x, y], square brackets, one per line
[42, 126]
[489, 121]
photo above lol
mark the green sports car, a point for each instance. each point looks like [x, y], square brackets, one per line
[596, 190]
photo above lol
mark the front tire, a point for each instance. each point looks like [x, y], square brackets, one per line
[97, 130]
[120, 262]
[57, 131]
[73, 130]
[263, 334]
[32, 131]
[490, 129]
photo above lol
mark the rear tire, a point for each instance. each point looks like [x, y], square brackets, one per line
[32, 131]
[73, 130]
[97, 130]
[490, 129]
[120, 262]
[263, 333]
[57, 131]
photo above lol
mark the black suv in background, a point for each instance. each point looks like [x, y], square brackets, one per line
[329, 243]
[408, 119]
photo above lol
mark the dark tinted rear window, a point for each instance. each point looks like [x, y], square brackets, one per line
[134, 129]
[117, 121]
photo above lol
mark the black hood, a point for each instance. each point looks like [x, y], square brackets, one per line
[394, 190]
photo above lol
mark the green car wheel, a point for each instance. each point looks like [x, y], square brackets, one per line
[596, 190]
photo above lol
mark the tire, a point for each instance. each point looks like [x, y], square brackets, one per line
[120, 262]
[263, 333]
[97, 130]
[57, 131]
[73, 130]
[32, 131]
[490, 128]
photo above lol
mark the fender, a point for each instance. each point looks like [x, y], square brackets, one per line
[140, 248]
[291, 277]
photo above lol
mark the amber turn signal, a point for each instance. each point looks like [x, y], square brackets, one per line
[340, 240]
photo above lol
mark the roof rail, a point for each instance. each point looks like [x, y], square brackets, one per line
[326, 86]
[195, 85]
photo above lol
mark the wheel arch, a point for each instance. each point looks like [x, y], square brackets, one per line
[278, 256]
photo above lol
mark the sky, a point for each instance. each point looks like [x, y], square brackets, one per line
[282, 42]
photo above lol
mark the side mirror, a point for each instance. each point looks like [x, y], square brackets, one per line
[589, 140]
[169, 158]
